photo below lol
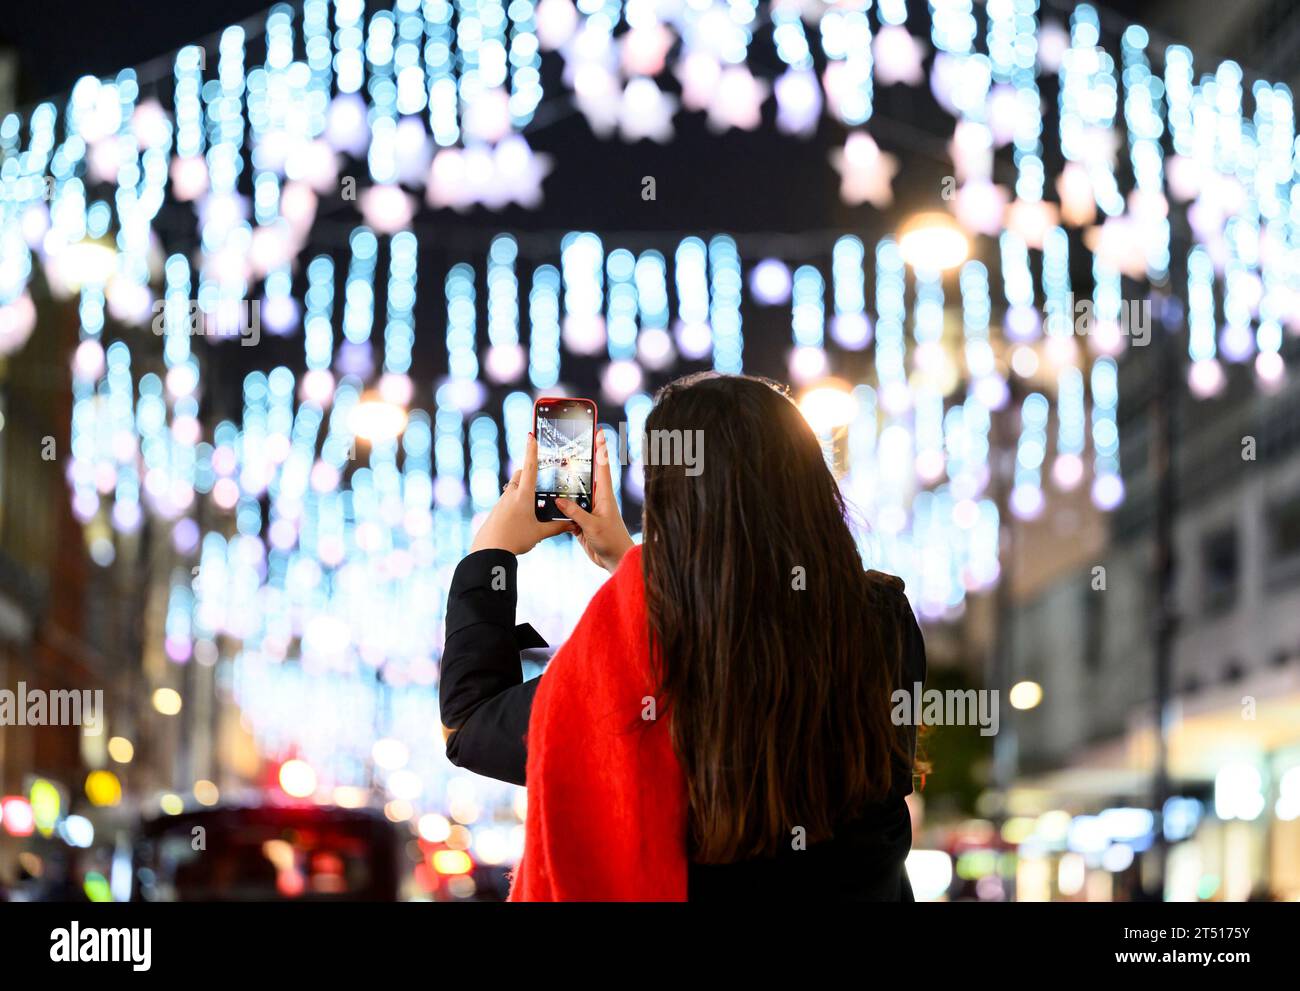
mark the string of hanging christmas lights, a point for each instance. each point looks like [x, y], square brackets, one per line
[310, 552]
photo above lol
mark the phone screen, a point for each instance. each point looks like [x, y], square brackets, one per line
[566, 437]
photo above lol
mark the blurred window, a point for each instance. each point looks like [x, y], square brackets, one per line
[1283, 542]
[1220, 570]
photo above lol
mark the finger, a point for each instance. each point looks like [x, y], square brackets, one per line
[604, 494]
[555, 529]
[574, 512]
[514, 481]
[528, 478]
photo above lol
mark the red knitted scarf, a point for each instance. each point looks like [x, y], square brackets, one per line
[606, 795]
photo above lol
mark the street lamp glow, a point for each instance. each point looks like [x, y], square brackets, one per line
[375, 419]
[434, 827]
[297, 778]
[1025, 694]
[121, 749]
[828, 406]
[167, 701]
[87, 263]
[933, 242]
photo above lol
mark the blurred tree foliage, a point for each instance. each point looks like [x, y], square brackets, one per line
[960, 759]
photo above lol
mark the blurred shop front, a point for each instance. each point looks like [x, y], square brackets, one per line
[1231, 825]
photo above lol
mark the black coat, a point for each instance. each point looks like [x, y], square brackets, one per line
[484, 698]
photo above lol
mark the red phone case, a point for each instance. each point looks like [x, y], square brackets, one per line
[548, 513]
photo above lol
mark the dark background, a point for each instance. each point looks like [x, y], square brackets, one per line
[771, 182]
[61, 40]
[776, 194]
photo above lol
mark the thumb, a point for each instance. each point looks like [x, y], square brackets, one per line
[574, 512]
[555, 529]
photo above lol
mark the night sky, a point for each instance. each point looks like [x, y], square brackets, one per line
[60, 40]
[739, 182]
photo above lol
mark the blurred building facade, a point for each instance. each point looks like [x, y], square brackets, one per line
[1089, 633]
[70, 623]
[1089, 639]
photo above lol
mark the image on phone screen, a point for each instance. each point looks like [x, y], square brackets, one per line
[565, 430]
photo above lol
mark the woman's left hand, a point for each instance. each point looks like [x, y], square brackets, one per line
[512, 525]
[602, 532]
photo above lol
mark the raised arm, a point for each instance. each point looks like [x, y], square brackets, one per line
[484, 700]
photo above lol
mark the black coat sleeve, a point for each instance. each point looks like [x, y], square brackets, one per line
[484, 700]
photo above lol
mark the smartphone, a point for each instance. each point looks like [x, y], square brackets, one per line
[566, 447]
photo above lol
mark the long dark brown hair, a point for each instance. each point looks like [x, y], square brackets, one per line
[775, 652]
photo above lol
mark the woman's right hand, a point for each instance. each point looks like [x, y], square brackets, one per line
[513, 525]
[601, 532]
